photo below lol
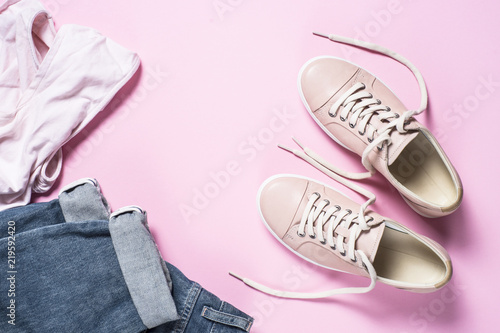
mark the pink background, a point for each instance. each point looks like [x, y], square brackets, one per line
[214, 75]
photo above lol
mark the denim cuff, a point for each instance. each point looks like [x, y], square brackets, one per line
[145, 273]
[82, 200]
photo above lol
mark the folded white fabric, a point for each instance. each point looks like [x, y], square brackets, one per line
[52, 83]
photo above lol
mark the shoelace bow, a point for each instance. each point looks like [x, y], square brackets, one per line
[361, 106]
[356, 104]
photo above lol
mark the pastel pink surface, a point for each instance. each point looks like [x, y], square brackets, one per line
[194, 134]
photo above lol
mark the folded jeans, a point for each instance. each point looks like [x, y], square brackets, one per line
[74, 267]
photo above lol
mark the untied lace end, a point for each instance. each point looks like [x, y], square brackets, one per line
[302, 295]
[336, 174]
[320, 160]
[384, 134]
[380, 49]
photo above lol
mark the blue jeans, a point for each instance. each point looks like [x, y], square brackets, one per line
[201, 311]
[69, 265]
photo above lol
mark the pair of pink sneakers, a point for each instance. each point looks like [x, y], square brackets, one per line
[324, 226]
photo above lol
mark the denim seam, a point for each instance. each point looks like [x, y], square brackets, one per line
[247, 322]
[194, 293]
[245, 327]
[214, 322]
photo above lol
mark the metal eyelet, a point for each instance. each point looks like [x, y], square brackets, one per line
[351, 125]
[369, 220]
[361, 133]
[327, 201]
[354, 260]
[323, 242]
[343, 253]
[301, 235]
[364, 86]
[379, 101]
[349, 212]
[397, 115]
[312, 237]
[371, 96]
[334, 247]
[380, 148]
[342, 119]
[338, 208]
[370, 140]
[388, 108]
[331, 114]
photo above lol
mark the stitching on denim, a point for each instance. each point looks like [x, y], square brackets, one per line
[193, 294]
[214, 323]
[246, 323]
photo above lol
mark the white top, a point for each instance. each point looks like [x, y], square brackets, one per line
[51, 85]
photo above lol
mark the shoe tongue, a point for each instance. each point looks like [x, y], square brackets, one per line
[368, 242]
[398, 144]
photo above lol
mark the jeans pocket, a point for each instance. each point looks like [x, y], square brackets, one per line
[232, 322]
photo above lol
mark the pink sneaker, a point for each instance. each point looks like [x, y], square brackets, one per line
[363, 115]
[325, 227]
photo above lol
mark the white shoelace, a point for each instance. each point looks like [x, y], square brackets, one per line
[354, 105]
[358, 105]
[315, 217]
